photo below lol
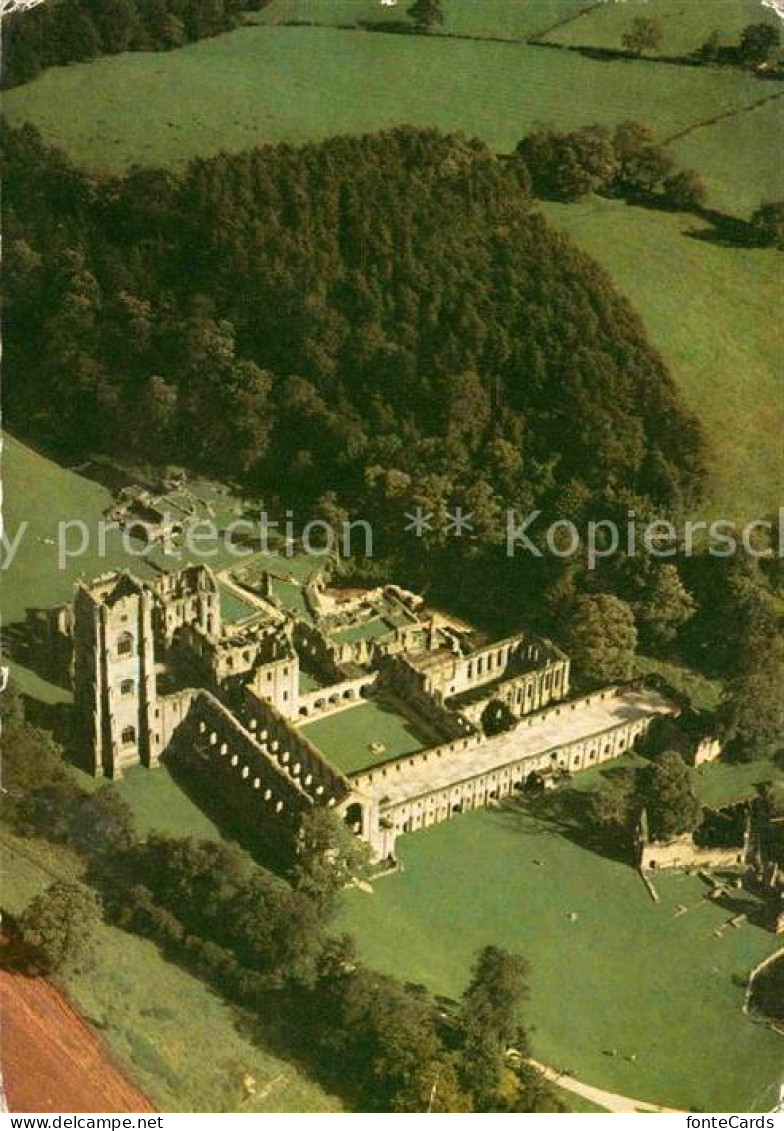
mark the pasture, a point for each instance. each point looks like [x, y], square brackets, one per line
[627, 996]
[269, 84]
[730, 154]
[685, 26]
[495, 19]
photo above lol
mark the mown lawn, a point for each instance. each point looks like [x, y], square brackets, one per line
[157, 802]
[346, 736]
[712, 311]
[718, 783]
[626, 975]
[183, 1046]
[267, 84]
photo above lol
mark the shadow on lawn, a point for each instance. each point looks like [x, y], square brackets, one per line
[567, 812]
[29, 643]
[738, 901]
[268, 842]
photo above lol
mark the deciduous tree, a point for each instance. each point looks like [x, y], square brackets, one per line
[60, 924]
[665, 787]
[601, 638]
[645, 34]
[426, 15]
[758, 41]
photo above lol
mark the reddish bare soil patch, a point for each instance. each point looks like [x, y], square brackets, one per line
[52, 1061]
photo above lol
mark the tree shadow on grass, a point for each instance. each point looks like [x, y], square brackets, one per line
[723, 230]
[566, 811]
[30, 644]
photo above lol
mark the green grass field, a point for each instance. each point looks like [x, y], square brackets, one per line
[731, 156]
[157, 803]
[577, 1103]
[685, 25]
[375, 629]
[178, 1041]
[626, 975]
[718, 784]
[233, 608]
[261, 84]
[712, 311]
[345, 737]
[703, 692]
[498, 19]
[48, 497]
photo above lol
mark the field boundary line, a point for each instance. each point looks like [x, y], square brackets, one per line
[723, 117]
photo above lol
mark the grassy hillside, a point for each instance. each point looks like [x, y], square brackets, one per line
[626, 974]
[299, 84]
[712, 311]
[738, 157]
[686, 24]
[501, 19]
[179, 1042]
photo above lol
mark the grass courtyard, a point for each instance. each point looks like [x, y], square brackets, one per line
[375, 629]
[345, 737]
[626, 975]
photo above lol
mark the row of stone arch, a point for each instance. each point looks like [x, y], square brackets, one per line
[255, 782]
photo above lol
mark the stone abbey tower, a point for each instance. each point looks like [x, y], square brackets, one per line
[115, 680]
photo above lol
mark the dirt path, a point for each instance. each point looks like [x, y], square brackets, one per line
[609, 1100]
[51, 1059]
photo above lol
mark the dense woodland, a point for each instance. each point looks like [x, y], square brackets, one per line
[73, 31]
[345, 313]
[365, 326]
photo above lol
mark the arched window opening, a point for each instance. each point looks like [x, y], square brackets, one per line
[125, 644]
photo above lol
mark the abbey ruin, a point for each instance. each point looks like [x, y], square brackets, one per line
[155, 663]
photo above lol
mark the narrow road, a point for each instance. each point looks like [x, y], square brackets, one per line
[609, 1100]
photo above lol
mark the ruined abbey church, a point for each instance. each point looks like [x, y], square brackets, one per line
[155, 666]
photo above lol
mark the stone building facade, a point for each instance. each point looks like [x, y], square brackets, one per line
[154, 665]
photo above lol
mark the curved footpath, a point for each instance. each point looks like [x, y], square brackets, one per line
[609, 1100]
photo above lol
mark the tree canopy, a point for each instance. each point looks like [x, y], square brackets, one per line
[666, 790]
[373, 317]
[59, 925]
